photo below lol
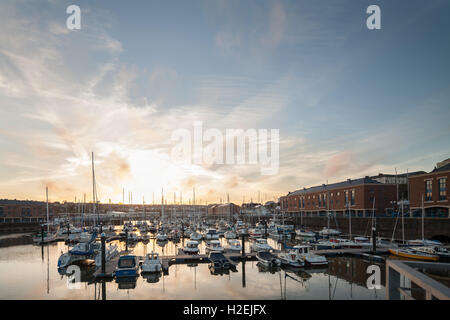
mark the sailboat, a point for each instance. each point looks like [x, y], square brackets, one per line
[46, 237]
[161, 236]
[412, 253]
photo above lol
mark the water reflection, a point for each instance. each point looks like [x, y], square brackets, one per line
[30, 272]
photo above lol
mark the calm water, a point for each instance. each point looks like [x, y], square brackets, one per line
[30, 272]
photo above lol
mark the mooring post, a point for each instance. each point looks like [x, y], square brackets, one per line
[101, 228]
[68, 230]
[103, 239]
[126, 240]
[182, 230]
[42, 234]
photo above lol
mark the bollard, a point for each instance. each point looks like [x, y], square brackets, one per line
[103, 239]
[243, 274]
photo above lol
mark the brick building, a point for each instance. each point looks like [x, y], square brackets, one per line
[357, 196]
[433, 188]
[223, 209]
[17, 211]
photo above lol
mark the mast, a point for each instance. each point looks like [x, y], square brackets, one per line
[403, 226]
[162, 204]
[423, 215]
[93, 188]
[48, 226]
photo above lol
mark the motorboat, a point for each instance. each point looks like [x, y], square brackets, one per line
[196, 236]
[211, 234]
[191, 247]
[268, 259]
[413, 254]
[234, 245]
[326, 232]
[255, 233]
[218, 261]
[325, 245]
[261, 245]
[214, 245]
[152, 263]
[230, 234]
[305, 233]
[127, 267]
[291, 259]
[161, 236]
[132, 237]
[310, 258]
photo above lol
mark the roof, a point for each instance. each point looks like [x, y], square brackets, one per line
[441, 169]
[343, 184]
[403, 175]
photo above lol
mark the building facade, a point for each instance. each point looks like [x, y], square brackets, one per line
[431, 191]
[360, 197]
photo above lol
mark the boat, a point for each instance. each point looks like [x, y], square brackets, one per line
[196, 236]
[230, 234]
[234, 245]
[218, 261]
[191, 247]
[327, 232]
[325, 245]
[132, 237]
[305, 233]
[268, 259]
[255, 233]
[211, 234]
[214, 245]
[414, 254]
[261, 245]
[310, 259]
[161, 236]
[442, 252]
[421, 242]
[291, 259]
[127, 267]
[152, 263]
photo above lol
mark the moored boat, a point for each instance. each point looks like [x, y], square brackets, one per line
[414, 254]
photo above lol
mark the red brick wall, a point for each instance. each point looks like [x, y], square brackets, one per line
[417, 189]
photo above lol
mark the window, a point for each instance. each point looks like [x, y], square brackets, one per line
[352, 201]
[324, 200]
[442, 188]
[1, 211]
[320, 200]
[338, 194]
[428, 190]
[346, 197]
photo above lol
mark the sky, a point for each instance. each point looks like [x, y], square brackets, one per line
[348, 101]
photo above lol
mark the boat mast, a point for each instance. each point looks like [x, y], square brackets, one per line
[423, 215]
[48, 226]
[403, 226]
[93, 188]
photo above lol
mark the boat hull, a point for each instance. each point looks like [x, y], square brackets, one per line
[411, 255]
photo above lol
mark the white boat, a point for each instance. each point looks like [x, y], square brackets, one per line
[255, 233]
[196, 236]
[191, 247]
[308, 257]
[214, 245]
[211, 234]
[424, 243]
[305, 233]
[326, 232]
[152, 263]
[234, 245]
[230, 235]
[261, 245]
[291, 258]
[161, 236]
[132, 237]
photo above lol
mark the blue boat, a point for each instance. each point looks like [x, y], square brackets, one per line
[127, 267]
